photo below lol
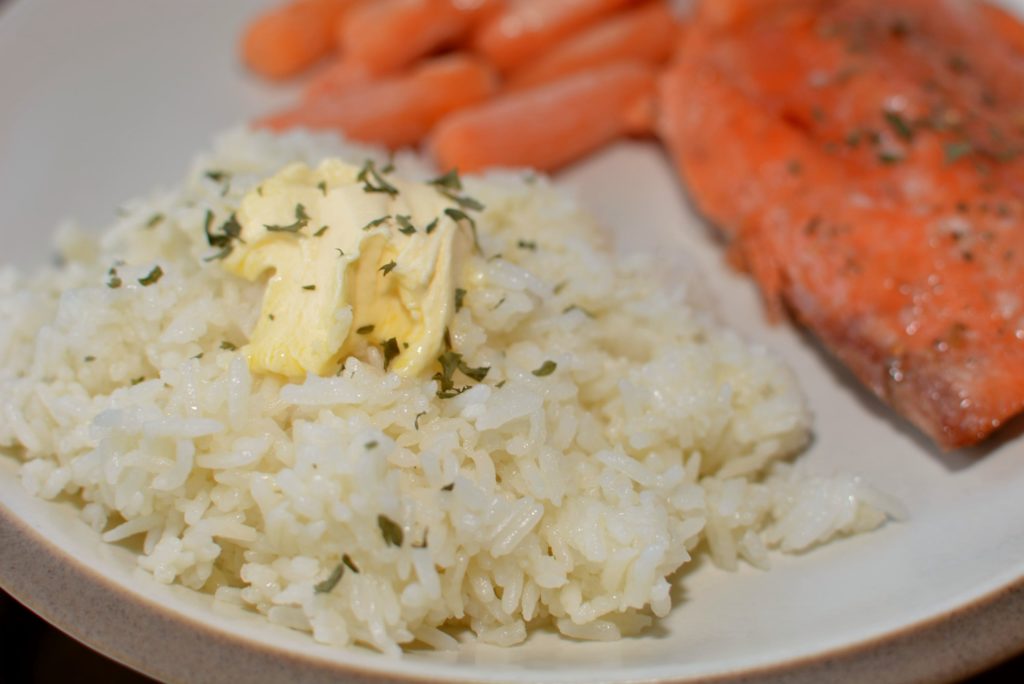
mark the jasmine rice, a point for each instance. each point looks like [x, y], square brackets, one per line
[618, 431]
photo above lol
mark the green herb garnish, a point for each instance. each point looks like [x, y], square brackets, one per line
[958, 64]
[460, 297]
[527, 244]
[899, 125]
[390, 530]
[465, 202]
[546, 368]
[459, 215]
[301, 221]
[323, 187]
[955, 151]
[220, 177]
[450, 362]
[372, 444]
[376, 222]
[449, 185]
[230, 231]
[323, 229]
[373, 181]
[405, 225]
[448, 487]
[449, 181]
[114, 281]
[89, 359]
[136, 381]
[477, 374]
[349, 564]
[309, 287]
[390, 350]
[228, 346]
[388, 267]
[332, 580]
[365, 330]
[889, 157]
[154, 220]
[152, 277]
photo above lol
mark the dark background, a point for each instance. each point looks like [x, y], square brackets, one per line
[36, 653]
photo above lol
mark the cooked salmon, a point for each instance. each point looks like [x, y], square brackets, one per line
[865, 161]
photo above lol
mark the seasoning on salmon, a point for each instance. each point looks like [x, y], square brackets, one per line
[865, 160]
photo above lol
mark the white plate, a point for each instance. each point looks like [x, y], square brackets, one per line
[105, 99]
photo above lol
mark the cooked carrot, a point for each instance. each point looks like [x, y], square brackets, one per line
[337, 78]
[646, 34]
[549, 126]
[528, 28]
[399, 110]
[287, 39]
[386, 35]
[341, 23]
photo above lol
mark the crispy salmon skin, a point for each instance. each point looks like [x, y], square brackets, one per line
[865, 161]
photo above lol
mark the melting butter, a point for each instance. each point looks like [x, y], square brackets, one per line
[348, 268]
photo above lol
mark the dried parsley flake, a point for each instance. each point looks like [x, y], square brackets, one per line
[546, 368]
[390, 530]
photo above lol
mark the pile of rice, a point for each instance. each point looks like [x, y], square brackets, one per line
[363, 508]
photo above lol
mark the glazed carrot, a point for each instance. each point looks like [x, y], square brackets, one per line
[528, 28]
[1006, 25]
[386, 35]
[287, 39]
[341, 23]
[549, 126]
[646, 34]
[399, 110]
[340, 76]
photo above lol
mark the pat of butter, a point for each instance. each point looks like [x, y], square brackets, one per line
[349, 267]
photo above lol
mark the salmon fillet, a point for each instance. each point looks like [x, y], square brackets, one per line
[864, 161]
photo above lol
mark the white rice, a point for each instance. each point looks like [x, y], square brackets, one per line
[567, 499]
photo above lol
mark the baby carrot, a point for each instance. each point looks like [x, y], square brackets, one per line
[386, 35]
[646, 34]
[528, 28]
[287, 39]
[338, 77]
[549, 126]
[398, 110]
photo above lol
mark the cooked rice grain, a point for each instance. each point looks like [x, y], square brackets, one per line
[566, 499]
